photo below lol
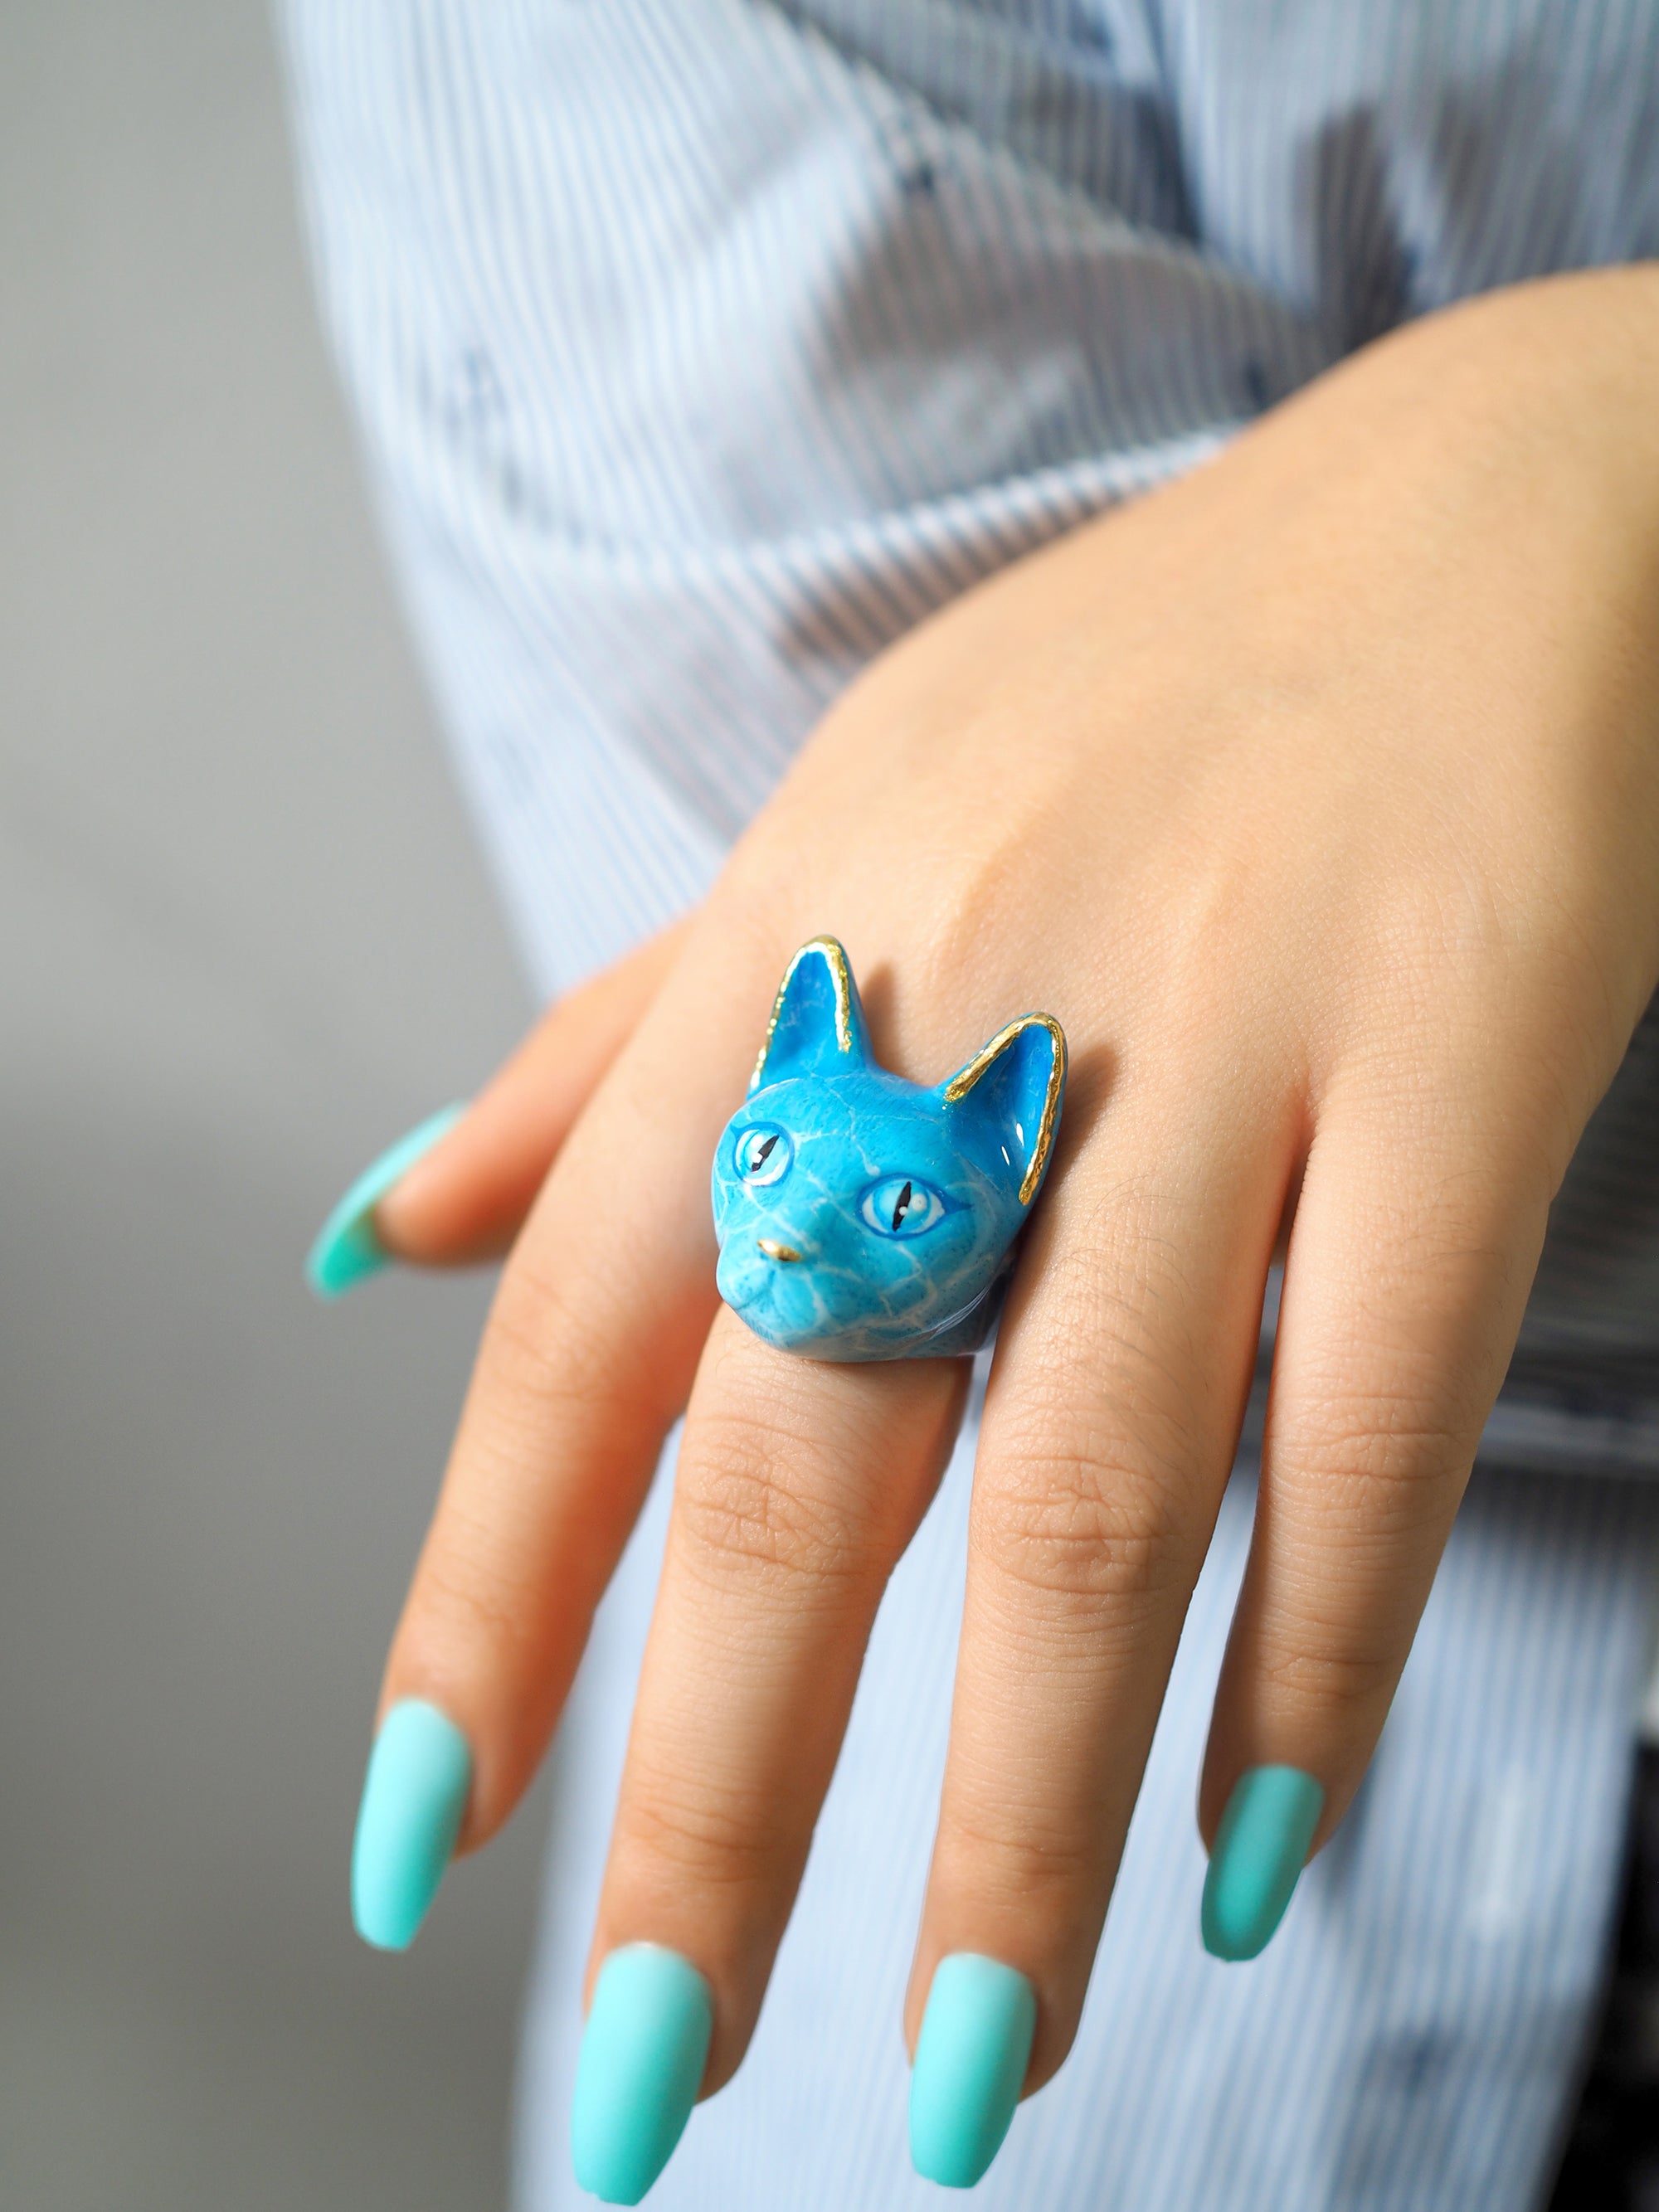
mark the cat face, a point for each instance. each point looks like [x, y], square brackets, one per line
[861, 1217]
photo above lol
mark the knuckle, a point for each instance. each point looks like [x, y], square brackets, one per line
[1084, 1521]
[1329, 1678]
[1381, 1443]
[460, 1603]
[965, 914]
[550, 1362]
[1096, 1507]
[750, 1501]
[542, 1346]
[1013, 1854]
[717, 1839]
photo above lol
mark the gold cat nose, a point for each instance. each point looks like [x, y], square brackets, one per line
[774, 1250]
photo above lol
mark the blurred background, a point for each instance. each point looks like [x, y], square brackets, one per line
[244, 940]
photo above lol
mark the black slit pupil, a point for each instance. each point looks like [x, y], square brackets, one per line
[759, 1160]
[903, 1205]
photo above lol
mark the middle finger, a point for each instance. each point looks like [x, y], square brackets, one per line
[799, 1484]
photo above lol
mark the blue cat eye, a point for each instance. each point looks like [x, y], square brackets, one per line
[761, 1154]
[901, 1206]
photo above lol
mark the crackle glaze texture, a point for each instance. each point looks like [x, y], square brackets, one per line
[861, 1217]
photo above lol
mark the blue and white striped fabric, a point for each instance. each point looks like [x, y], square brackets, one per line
[701, 347]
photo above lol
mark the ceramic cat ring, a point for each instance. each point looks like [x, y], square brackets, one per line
[861, 1217]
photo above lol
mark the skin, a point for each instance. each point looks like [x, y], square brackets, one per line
[1317, 795]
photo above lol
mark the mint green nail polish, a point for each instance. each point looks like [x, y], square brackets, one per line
[346, 1248]
[414, 1796]
[971, 2056]
[643, 2051]
[1260, 1848]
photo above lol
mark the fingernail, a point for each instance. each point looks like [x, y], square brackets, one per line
[643, 2051]
[348, 1246]
[971, 2056]
[414, 1796]
[1260, 1848]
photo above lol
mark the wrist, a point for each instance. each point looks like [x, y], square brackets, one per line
[1550, 383]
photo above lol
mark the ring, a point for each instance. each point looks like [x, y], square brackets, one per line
[861, 1217]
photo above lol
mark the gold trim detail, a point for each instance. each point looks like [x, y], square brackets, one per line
[959, 1085]
[774, 1250]
[841, 976]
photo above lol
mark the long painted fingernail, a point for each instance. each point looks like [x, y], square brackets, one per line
[642, 2057]
[348, 1246]
[414, 1796]
[1260, 1848]
[971, 2056]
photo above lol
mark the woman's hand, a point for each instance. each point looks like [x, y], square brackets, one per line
[1318, 797]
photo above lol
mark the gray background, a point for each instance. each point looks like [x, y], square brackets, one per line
[244, 941]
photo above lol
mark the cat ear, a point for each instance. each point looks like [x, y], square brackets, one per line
[1004, 1106]
[818, 1025]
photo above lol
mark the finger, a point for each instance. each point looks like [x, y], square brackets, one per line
[799, 1484]
[586, 1359]
[466, 1198]
[1409, 1268]
[1110, 1428]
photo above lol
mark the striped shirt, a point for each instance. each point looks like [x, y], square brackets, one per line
[701, 348]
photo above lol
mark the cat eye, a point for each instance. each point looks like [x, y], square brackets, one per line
[902, 1207]
[761, 1154]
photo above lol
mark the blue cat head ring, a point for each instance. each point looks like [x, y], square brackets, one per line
[861, 1217]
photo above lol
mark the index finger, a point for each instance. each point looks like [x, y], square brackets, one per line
[586, 1359]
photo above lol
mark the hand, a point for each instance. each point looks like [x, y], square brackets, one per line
[1318, 796]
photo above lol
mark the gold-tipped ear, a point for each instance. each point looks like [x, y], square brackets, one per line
[841, 982]
[962, 1083]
